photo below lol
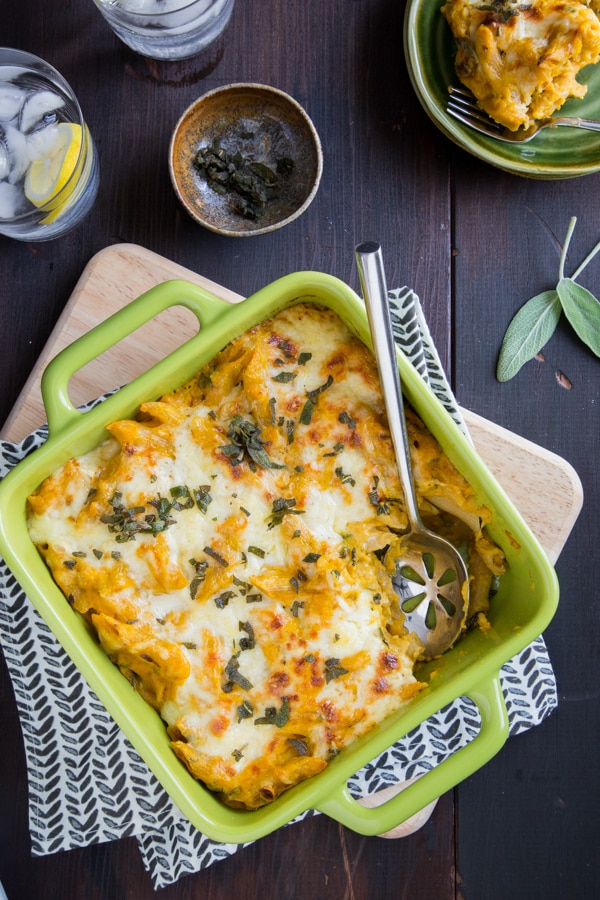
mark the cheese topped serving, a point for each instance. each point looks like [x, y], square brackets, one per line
[521, 58]
[227, 546]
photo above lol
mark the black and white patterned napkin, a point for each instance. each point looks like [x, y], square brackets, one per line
[86, 782]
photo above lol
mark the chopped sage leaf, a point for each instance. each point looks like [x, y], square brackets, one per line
[276, 717]
[249, 642]
[297, 605]
[307, 412]
[333, 669]
[249, 183]
[377, 500]
[311, 401]
[126, 522]
[346, 419]
[502, 10]
[311, 557]
[182, 498]
[234, 676]
[245, 711]
[337, 448]
[284, 377]
[223, 599]
[319, 390]
[216, 556]
[282, 507]
[203, 497]
[344, 477]
[242, 586]
[257, 551]
[245, 439]
[200, 568]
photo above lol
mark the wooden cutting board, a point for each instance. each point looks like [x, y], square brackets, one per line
[544, 487]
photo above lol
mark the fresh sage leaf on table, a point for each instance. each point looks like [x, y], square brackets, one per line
[529, 331]
[582, 310]
[534, 324]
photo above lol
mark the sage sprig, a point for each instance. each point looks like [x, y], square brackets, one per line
[534, 324]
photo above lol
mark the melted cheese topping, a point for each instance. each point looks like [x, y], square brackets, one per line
[222, 545]
[520, 59]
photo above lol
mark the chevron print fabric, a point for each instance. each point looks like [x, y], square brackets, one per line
[87, 784]
[411, 333]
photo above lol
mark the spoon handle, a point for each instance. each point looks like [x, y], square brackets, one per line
[371, 273]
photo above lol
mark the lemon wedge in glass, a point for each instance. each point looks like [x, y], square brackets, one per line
[51, 171]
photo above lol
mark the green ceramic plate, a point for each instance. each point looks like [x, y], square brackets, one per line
[554, 153]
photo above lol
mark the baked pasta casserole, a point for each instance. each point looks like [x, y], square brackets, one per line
[227, 546]
[520, 58]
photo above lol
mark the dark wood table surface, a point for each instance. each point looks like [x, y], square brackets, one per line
[475, 243]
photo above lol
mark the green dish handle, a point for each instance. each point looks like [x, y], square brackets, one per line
[60, 411]
[341, 806]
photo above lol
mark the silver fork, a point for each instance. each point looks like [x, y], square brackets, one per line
[464, 107]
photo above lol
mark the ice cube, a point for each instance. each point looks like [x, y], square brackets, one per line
[4, 160]
[38, 106]
[11, 101]
[10, 200]
[18, 155]
[41, 143]
[12, 73]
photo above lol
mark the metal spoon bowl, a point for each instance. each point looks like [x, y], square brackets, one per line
[430, 576]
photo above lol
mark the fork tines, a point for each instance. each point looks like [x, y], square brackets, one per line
[464, 107]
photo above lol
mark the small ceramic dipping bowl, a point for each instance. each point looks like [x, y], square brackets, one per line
[245, 159]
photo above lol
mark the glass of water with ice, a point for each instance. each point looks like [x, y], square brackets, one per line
[48, 163]
[167, 29]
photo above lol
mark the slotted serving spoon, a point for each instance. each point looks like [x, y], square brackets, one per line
[430, 576]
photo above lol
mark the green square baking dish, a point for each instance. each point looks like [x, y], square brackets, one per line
[522, 608]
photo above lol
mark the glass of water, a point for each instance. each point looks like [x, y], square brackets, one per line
[167, 29]
[48, 164]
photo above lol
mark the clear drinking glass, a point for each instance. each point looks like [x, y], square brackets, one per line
[167, 29]
[48, 164]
